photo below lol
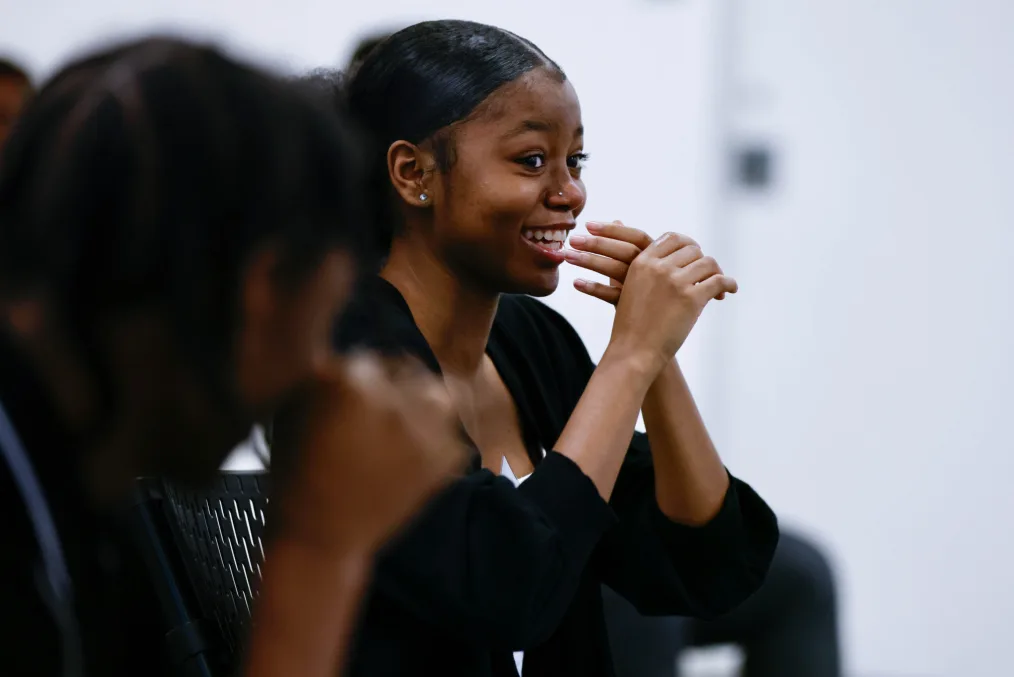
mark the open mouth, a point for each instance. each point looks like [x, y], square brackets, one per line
[549, 239]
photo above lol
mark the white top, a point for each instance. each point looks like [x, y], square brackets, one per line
[505, 471]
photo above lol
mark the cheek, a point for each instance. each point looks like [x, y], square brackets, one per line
[584, 198]
[493, 209]
[324, 303]
[285, 348]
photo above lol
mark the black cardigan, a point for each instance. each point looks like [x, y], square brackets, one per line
[488, 568]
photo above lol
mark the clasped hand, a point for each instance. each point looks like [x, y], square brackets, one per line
[659, 287]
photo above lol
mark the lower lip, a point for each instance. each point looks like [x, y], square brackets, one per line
[553, 255]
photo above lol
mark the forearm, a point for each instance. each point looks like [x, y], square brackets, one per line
[598, 432]
[305, 611]
[690, 479]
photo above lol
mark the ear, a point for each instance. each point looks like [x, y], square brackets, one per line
[409, 166]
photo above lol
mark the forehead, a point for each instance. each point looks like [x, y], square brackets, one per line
[539, 99]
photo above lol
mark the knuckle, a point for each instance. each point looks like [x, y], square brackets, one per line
[675, 278]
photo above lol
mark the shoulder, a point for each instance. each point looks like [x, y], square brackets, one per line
[378, 318]
[531, 330]
[531, 320]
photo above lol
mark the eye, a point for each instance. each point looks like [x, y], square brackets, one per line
[533, 161]
[577, 160]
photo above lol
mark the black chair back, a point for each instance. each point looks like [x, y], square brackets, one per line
[205, 549]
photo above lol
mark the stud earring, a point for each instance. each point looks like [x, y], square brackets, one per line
[424, 197]
[560, 193]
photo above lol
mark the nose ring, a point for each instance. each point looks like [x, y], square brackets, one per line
[560, 193]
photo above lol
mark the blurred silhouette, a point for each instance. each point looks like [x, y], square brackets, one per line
[789, 627]
[177, 234]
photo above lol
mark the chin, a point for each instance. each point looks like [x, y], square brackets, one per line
[539, 286]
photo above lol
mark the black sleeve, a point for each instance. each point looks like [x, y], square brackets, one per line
[662, 567]
[498, 564]
[666, 568]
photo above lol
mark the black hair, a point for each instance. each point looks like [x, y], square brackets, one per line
[148, 175]
[10, 69]
[422, 79]
[364, 47]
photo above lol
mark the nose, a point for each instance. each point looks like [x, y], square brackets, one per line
[568, 195]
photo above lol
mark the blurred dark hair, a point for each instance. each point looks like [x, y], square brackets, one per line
[424, 78]
[149, 174]
[364, 47]
[11, 69]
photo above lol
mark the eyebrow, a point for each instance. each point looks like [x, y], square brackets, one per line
[537, 126]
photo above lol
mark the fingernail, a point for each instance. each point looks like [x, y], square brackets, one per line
[594, 225]
[580, 284]
[571, 255]
[577, 239]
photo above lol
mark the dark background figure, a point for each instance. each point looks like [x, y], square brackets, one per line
[15, 90]
[788, 628]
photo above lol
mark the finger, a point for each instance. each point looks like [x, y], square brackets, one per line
[686, 255]
[611, 268]
[606, 246]
[667, 244]
[617, 231]
[715, 286]
[598, 290]
[701, 269]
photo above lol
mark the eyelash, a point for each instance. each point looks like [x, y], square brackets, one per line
[579, 160]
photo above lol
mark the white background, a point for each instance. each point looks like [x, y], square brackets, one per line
[862, 379]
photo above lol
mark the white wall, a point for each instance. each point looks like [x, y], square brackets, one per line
[869, 383]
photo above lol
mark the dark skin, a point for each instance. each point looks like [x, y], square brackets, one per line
[517, 169]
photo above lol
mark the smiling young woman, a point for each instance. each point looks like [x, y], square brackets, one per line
[480, 146]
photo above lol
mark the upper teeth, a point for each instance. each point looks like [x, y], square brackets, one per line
[551, 235]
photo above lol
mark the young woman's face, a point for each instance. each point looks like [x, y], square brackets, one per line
[514, 188]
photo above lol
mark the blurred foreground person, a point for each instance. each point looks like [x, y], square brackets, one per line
[177, 235]
[15, 90]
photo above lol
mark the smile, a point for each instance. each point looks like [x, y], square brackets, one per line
[546, 239]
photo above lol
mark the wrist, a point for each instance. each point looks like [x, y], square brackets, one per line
[640, 368]
[305, 609]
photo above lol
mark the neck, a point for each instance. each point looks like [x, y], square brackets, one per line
[455, 317]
